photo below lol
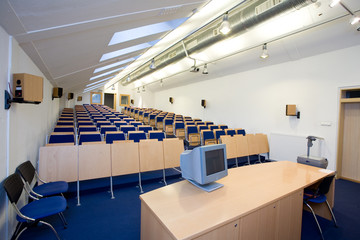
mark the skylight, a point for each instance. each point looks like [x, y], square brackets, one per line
[115, 64]
[102, 80]
[147, 30]
[124, 51]
[107, 73]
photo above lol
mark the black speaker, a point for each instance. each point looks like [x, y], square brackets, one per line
[132, 101]
[70, 96]
[57, 92]
[203, 103]
[171, 100]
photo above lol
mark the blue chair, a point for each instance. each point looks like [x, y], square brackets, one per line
[110, 137]
[66, 119]
[67, 123]
[106, 128]
[146, 118]
[28, 173]
[35, 211]
[318, 195]
[179, 129]
[207, 137]
[209, 123]
[159, 122]
[62, 137]
[114, 119]
[127, 128]
[240, 131]
[159, 135]
[192, 136]
[136, 124]
[136, 136]
[118, 124]
[218, 133]
[102, 123]
[152, 119]
[86, 128]
[168, 126]
[128, 119]
[230, 132]
[213, 127]
[144, 128]
[202, 127]
[89, 137]
[95, 120]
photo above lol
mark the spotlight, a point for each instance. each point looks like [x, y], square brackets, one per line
[205, 70]
[143, 88]
[152, 64]
[354, 20]
[265, 52]
[225, 27]
[128, 78]
[161, 83]
[333, 3]
[138, 91]
[113, 87]
[194, 69]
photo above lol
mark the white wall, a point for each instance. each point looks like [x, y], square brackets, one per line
[255, 100]
[28, 124]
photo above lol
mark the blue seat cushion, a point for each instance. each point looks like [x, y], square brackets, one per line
[43, 208]
[52, 188]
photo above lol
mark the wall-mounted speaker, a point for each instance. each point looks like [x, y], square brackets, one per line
[28, 87]
[203, 103]
[171, 100]
[70, 96]
[132, 101]
[79, 98]
[57, 92]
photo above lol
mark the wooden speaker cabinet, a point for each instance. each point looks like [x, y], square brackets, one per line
[28, 87]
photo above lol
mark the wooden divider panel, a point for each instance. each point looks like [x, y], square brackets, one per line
[151, 155]
[58, 163]
[94, 161]
[173, 147]
[263, 143]
[241, 145]
[252, 144]
[124, 158]
[230, 142]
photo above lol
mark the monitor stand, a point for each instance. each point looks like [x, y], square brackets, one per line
[207, 187]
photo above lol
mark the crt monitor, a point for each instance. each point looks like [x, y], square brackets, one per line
[204, 165]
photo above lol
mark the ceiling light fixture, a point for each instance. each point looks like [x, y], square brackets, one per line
[152, 64]
[138, 91]
[333, 3]
[143, 88]
[354, 20]
[225, 27]
[264, 52]
[113, 87]
[161, 83]
[128, 78]
[205, 70]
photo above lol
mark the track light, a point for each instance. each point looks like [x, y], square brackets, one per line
[205, 70]
[152, 64]
[333, 3]
[113, 87]
[143, 88]
[225, 27]
[161, 83]
[264, 52]
[138, 91]
[354, 20]
[194, 68]
[128, 78]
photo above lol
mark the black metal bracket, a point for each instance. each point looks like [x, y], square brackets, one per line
[8, 100]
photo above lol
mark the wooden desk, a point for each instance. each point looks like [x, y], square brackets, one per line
[262, 201]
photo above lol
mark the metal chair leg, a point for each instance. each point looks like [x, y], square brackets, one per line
[52, 228]
[332, 213]
[62, 217]
[17, 236]
[317, 222]
[164, 177]
[140, 186]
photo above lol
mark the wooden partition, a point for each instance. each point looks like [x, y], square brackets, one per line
[231, 149]
[173, 147]
[94, 161]
[124, 157]
[242, 149]
[58, 163]
[252, 144]
[151, 155]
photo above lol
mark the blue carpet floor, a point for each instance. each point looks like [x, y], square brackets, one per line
[100, 217]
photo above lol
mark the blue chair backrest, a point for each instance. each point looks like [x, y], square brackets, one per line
[209, 123]
[191, 129]
[66, 138]
[168, 121]
[230, 132]
[99, 124]
[99, 119]
[223, 127]
[105, 129]
[87, 129]
[212, 127]
[118, 124]
[241, 131]
[219, 133]
[145, 128]
[127, 128]
[135, 123]
[136, 136]
[67, 123]
[159, 119]
[152, 116]
[179, 125]
[112, 120]
[190, 123]
[65, 119]
[202, 127]
[157, 135]
[146, 114]
[128, 119]
[86, 123]
[208, 135]
[63, 129]
[89, 138]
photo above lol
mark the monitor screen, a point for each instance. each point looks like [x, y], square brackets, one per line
[214, 161]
